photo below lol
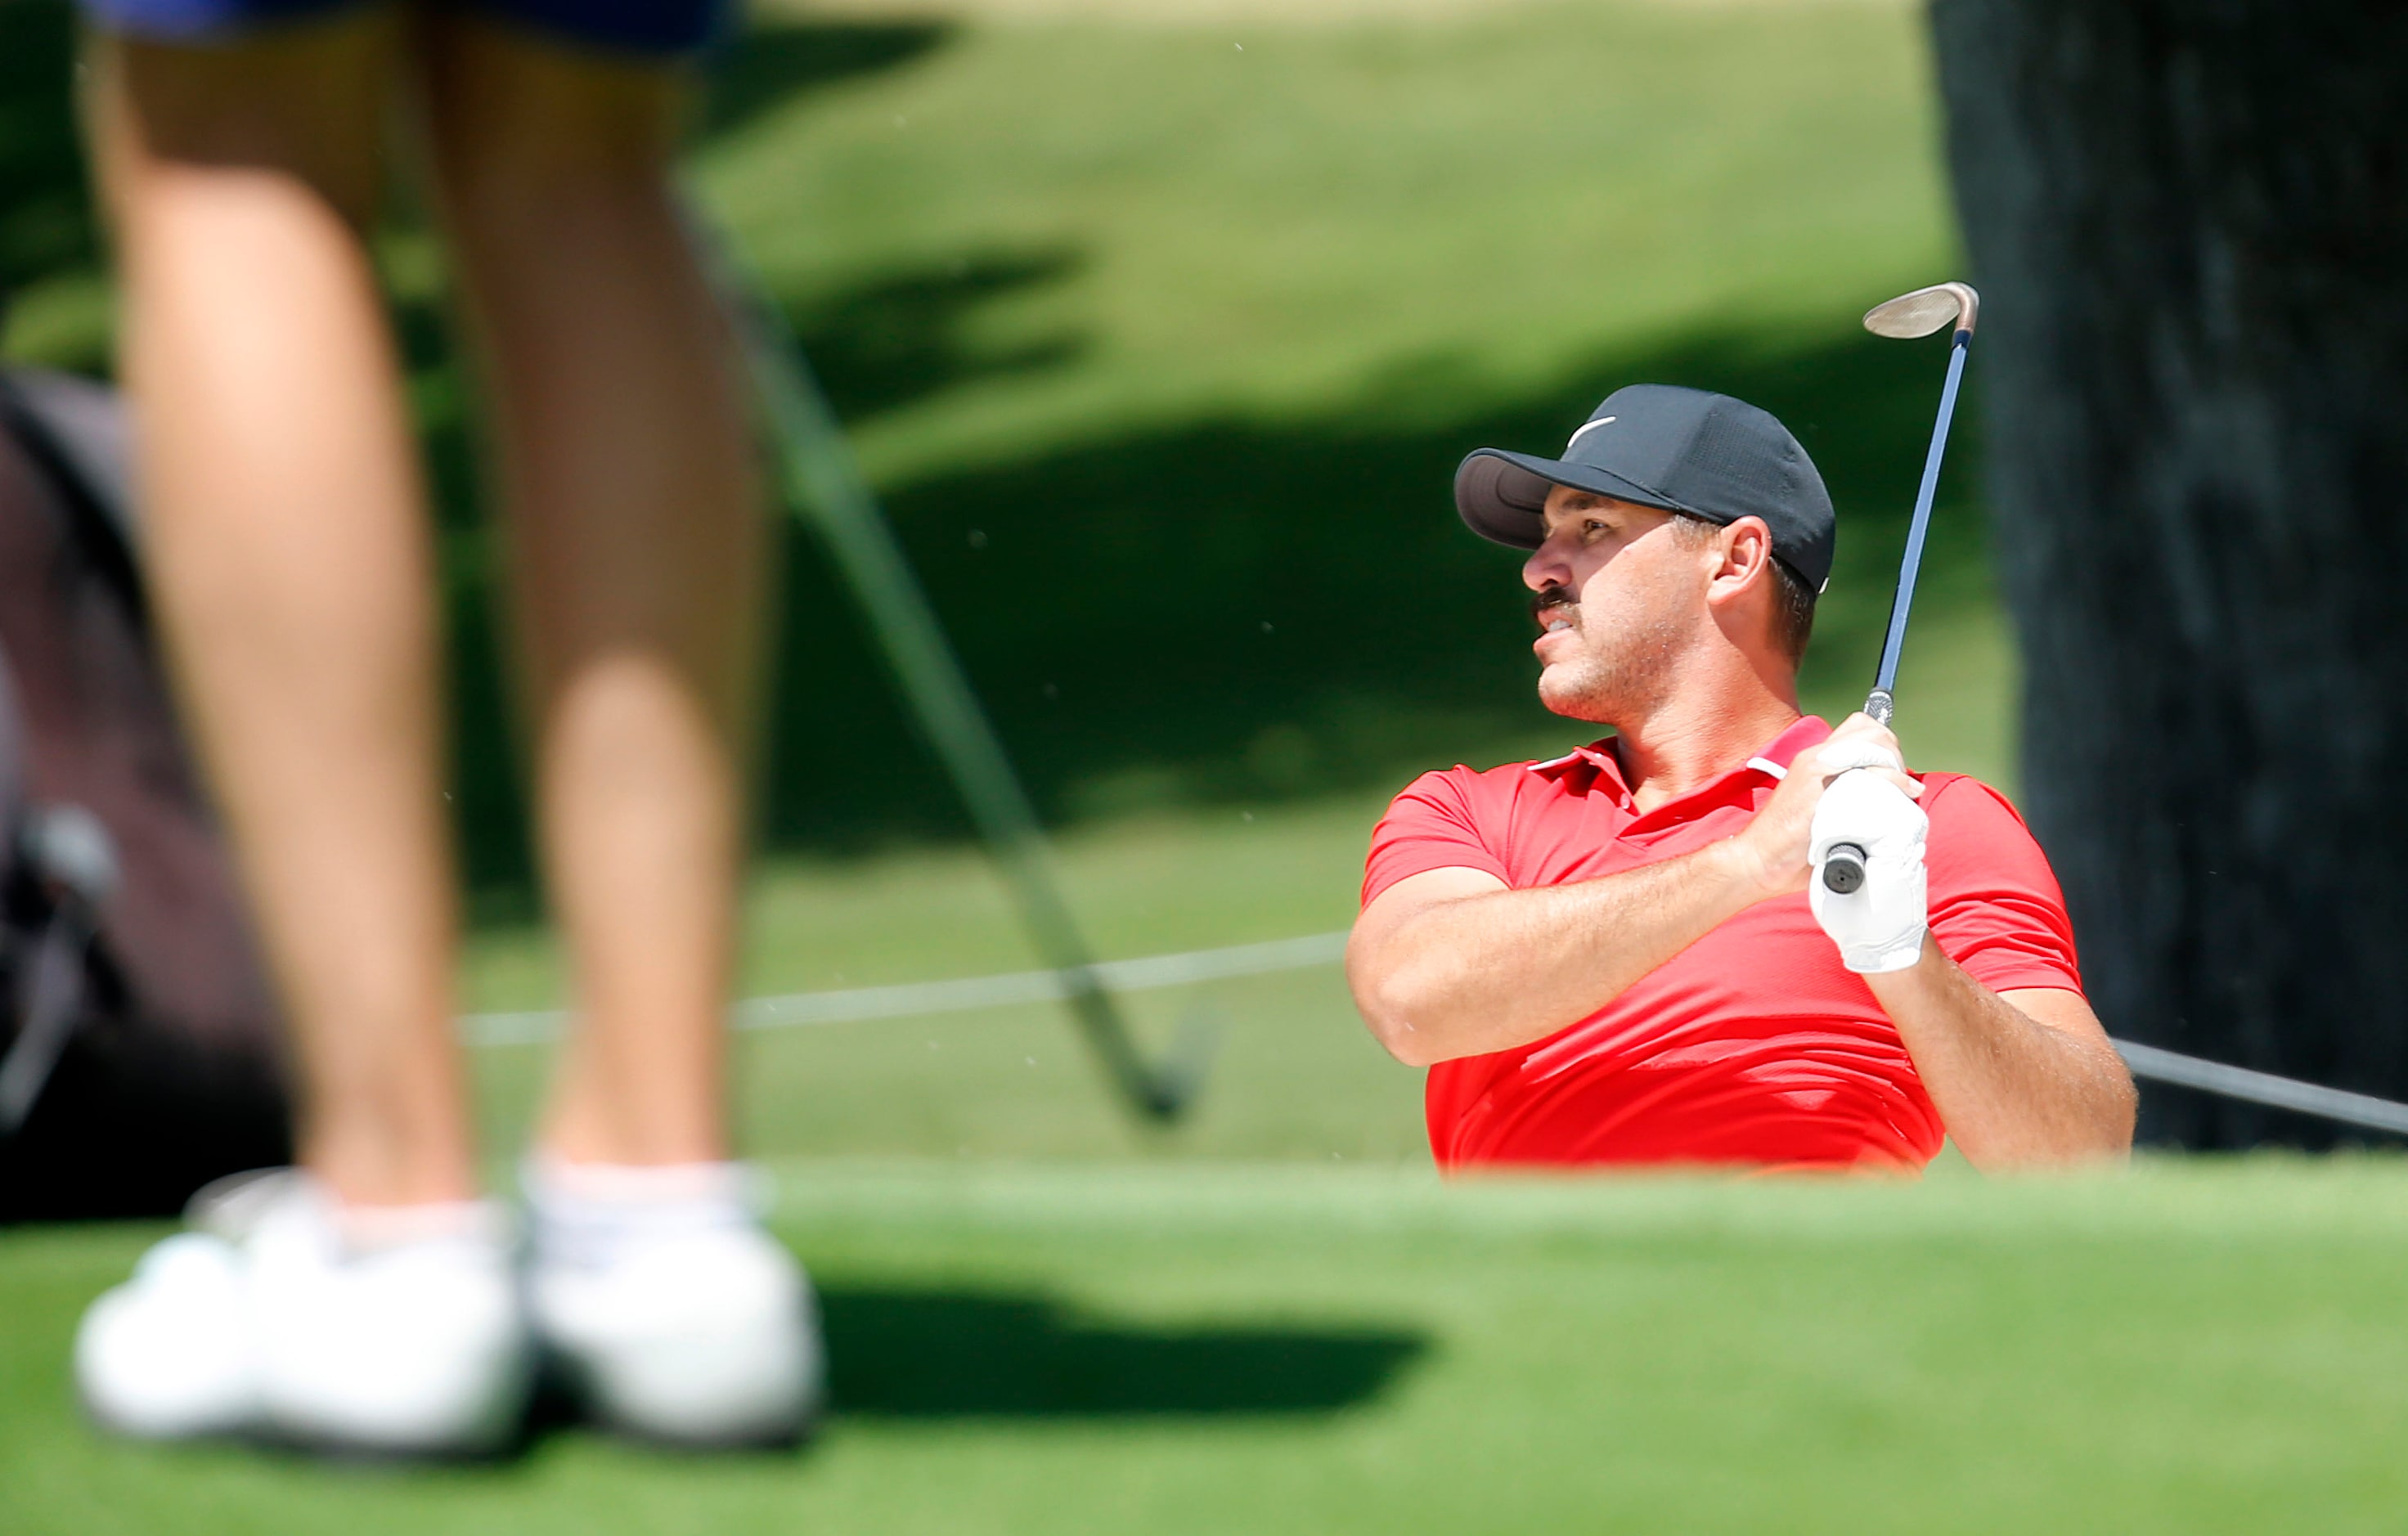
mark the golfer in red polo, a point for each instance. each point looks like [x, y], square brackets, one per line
[1611, 957]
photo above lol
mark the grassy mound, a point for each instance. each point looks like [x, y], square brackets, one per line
[2209, 1347]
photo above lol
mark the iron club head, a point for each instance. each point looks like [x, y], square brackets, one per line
[1924, 311]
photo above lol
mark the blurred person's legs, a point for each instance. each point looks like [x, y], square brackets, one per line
[636, 513]
[369, 1302]
[297, 585]
[290, 559]
[635, 507]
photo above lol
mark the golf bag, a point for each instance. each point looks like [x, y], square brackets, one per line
[138, 1051]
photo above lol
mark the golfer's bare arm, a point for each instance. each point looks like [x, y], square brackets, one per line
[1453, 963]
[2020, 1078]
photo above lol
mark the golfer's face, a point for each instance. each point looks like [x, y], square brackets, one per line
[1611, 587]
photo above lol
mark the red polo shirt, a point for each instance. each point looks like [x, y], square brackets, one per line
[1755, 1045]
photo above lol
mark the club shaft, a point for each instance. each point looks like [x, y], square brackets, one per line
[1895, 641]
[825, 486]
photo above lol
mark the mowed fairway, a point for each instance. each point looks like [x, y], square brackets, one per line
[1215, 1349]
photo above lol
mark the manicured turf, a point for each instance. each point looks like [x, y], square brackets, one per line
[1281, 220]
[1272, 1349]
[1296, 1076]
[1184, 328]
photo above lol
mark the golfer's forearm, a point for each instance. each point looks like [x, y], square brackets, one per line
[1502, 969]
[2013, 1091]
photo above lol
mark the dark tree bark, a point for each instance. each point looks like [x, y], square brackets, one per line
[2189, 222]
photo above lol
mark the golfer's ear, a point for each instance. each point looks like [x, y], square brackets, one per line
[1746, 544]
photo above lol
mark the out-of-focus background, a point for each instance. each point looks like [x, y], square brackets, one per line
[1161, 333]
[1161, 330]
[1159, 327]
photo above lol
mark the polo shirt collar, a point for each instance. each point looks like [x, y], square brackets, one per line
[1778, 753]
[1772, 759]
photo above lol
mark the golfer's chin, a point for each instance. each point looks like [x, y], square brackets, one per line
[1564, 690]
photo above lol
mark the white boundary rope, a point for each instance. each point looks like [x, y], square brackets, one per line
[796, 1009]
[969, 992]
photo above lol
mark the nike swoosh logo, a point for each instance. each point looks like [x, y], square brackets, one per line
[1587, 427]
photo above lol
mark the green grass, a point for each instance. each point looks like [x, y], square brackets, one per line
[1280, 220]
[1191, 323]
[1295, 1075]
[2206, 1347]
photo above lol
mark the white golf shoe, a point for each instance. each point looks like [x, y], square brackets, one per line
[667, 1312]
[263, 1320]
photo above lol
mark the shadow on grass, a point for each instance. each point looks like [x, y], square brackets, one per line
[918, 1355]
[1247, 611]
[1226, 611]
[770, 66]
[961, 1353]
[902, 336]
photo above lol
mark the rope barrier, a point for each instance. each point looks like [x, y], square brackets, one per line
[970, 993]
[799, 1008]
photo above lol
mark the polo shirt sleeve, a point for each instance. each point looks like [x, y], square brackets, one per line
[1434, 824]
[1995, 904]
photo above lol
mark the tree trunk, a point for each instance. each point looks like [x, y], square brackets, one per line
[2189, 219]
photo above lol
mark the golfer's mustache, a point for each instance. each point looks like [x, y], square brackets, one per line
[1553, 597]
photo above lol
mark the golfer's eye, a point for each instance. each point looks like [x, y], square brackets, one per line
[1594, 525]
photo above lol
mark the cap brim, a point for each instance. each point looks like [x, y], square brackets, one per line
[1502, 496]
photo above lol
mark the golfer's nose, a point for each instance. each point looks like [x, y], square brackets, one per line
[1546, 567]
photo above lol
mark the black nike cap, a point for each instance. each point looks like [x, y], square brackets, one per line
[1659, 445]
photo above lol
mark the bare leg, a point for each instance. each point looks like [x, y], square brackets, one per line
[635, 516]
[289, 557]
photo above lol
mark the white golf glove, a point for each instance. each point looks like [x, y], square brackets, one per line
[1878, 926]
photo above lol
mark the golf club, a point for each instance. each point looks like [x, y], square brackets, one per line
[825, 489]
[1906, 318]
